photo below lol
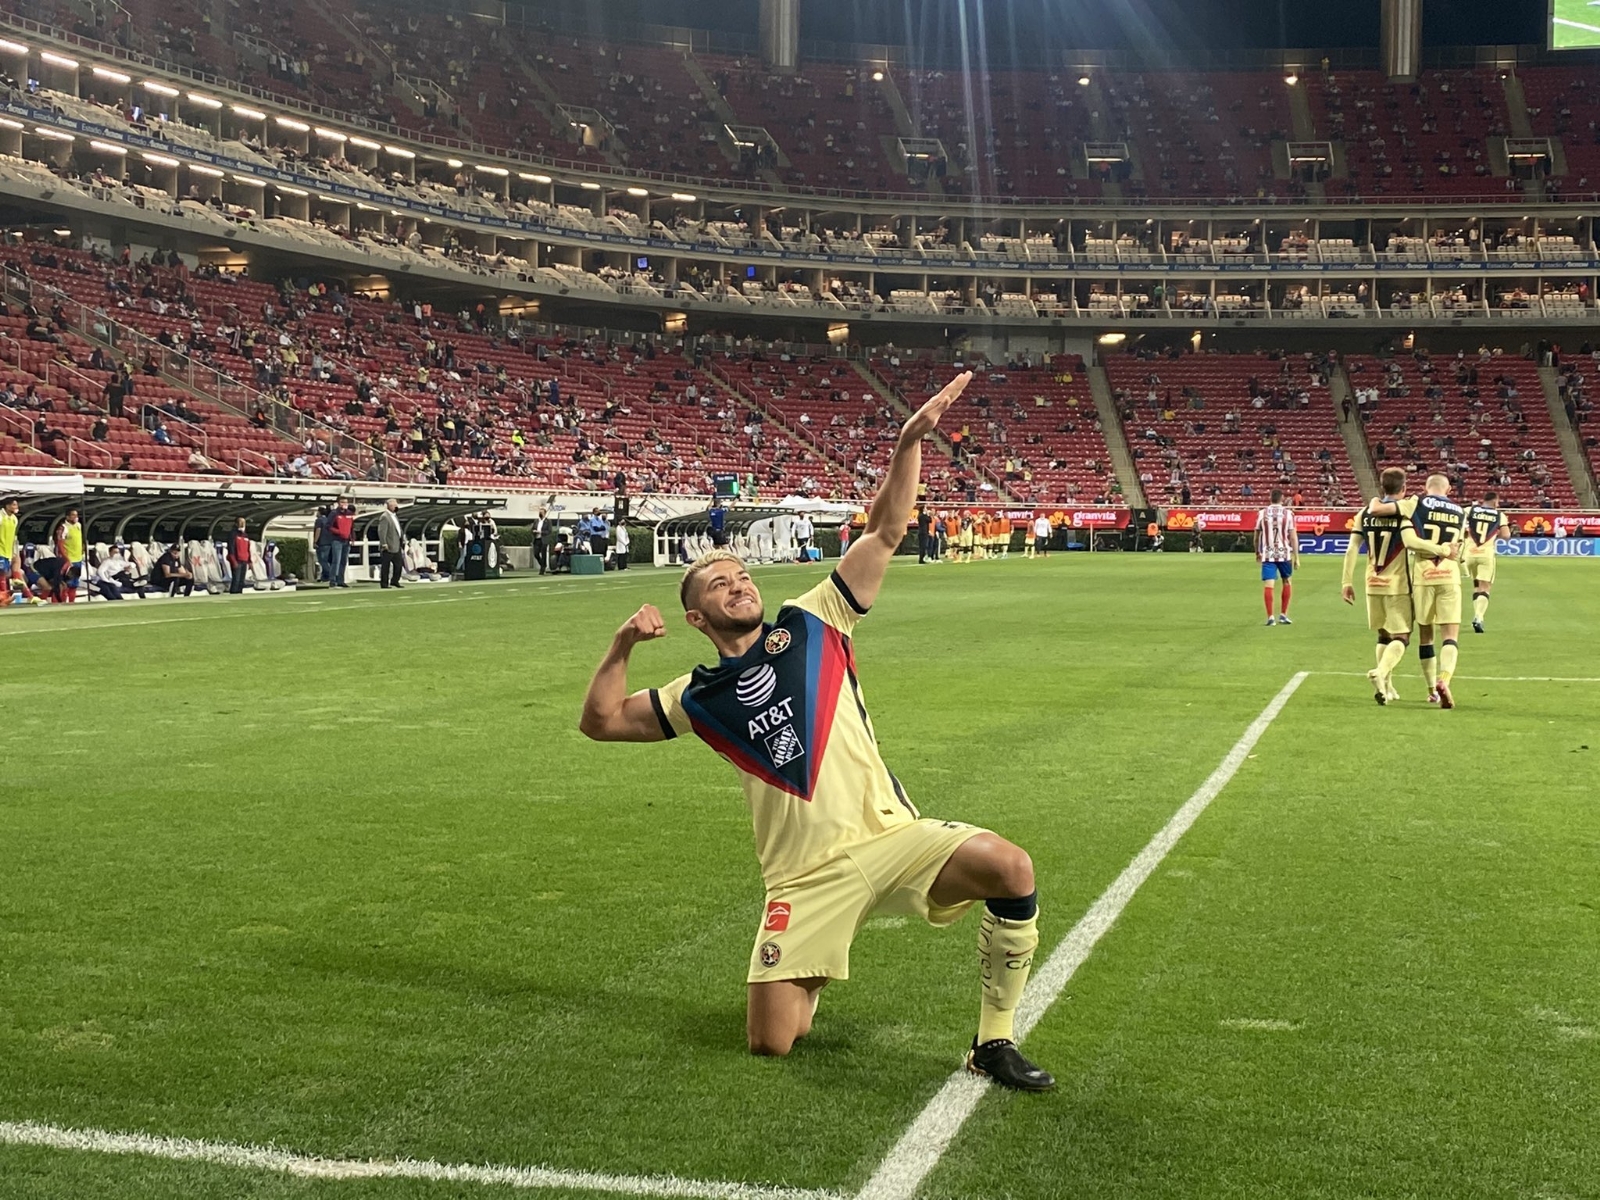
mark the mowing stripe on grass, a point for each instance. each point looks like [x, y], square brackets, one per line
[1488, 678]
[266, 1158]
[924, 1143]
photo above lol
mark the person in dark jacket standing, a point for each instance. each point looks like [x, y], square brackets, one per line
[927, 547]
[322, 541]
[541, 540]
[238, 557]
[391, 545]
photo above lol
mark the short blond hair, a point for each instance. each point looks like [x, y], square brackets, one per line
[708, 559]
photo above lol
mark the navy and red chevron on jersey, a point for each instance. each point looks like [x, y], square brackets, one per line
[770, 714]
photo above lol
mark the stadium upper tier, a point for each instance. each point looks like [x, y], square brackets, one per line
[436, 78]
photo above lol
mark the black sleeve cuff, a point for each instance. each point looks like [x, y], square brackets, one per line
[667, 731]
[849, 597]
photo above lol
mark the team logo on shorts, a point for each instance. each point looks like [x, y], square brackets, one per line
[778, 641]
[784, 746]
[777, 917]
[770, 954]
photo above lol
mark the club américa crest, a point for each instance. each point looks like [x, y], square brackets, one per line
[777, 641]
[770, 954]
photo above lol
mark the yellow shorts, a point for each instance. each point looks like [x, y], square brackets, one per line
[1480, 568]
[1392, 614]
[1439, 604]
[808, 923]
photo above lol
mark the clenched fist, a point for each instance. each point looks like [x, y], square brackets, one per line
[644, 626]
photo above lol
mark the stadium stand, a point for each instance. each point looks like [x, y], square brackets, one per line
[1482, 419]
[1564, 102]
[1228, 428]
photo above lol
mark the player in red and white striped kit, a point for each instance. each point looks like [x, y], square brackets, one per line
[1278, 552]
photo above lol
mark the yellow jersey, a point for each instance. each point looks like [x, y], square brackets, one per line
[1483, 526]
[1388, 567]
[790, 717]
[1435, 525]
[8, 535]
[71, 536]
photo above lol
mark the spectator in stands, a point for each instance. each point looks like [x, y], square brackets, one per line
[391, 545]
[238, 557]
[340, 526]
[169, 575]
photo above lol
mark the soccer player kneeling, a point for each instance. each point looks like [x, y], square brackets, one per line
[837, 837]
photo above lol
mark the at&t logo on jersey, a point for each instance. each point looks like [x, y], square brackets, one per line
[766, 722]
[756, 685]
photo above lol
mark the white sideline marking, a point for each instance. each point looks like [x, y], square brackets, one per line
[922, 1145]
[265, 1158]
[1576, 25]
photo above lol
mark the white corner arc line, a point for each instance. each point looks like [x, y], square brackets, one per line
[266, 1158]
[922, 1145]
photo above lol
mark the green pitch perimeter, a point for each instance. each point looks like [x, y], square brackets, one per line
[339, 874]
[1576, 24]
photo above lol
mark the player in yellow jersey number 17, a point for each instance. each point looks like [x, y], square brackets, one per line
[1432, 528]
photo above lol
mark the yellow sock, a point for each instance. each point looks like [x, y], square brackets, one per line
[1005, 955]
[1378, 653]
[1447, 662]
[1391, 656]
[1430, 670]
[1480, 605]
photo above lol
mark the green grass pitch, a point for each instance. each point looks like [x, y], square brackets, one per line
[1577, 25]
[339, 874]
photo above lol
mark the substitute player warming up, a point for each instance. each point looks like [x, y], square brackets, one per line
[837, 837]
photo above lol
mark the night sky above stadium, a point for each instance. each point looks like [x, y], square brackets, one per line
[1178, 29]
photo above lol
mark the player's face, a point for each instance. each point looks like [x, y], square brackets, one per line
[729, 600]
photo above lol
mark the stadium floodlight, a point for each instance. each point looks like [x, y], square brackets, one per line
[248, 181]
[160, 160]
[1291, 79]
[10, 47]
[589, 185]
[8, 123]
[55, 135]
[877, 77]
[1112, 339]
[293, 191]
[533, 178]
[455, 164]
[250, 113]
[1083, 81]
[334, 134]
[400, 152]
[291, 123]
[204, 170]
[108, 148]
[203, 101]
[686, 197]
[366, 143]
[501, 171]
[638, 191]
[58, 60]
[160, 89]
[114, 76]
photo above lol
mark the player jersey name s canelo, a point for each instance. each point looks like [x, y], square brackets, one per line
[789, 716]
[1387, 566]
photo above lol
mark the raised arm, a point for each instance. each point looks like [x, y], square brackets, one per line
[609, 713]
[862, 569]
